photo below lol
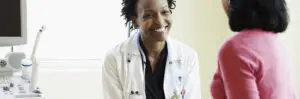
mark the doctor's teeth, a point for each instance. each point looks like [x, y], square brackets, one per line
[160, 30]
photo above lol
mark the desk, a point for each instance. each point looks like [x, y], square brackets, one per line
[6, 96]
[18, 88]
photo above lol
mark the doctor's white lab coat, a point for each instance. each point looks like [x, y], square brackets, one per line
[123, 72]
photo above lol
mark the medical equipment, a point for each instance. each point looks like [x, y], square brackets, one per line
[13, 31]
[12, 85]
[34, 61]
[13, 26]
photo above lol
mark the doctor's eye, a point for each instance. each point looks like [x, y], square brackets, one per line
[165, 12]
[147, 15]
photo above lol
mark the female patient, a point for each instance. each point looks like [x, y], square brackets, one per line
[253, 64]
[149, 65]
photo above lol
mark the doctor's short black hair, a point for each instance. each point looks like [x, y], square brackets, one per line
[268, 15]
[129, 10]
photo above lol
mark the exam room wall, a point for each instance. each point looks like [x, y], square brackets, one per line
[202, 24]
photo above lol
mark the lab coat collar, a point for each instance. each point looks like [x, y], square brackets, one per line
[133, 46]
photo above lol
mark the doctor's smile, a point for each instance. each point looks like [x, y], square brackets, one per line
[161, 30]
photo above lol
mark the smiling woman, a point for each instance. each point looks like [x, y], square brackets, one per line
[150, 64]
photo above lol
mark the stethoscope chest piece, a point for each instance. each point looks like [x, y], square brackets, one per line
[176, 96]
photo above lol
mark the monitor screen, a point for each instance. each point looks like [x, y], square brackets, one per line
[10, 18]
[13, 22]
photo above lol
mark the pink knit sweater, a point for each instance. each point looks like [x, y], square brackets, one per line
[253, 64]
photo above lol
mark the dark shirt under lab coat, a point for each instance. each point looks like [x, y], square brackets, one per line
[154, 80]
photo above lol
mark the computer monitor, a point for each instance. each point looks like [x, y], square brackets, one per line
[13, 25]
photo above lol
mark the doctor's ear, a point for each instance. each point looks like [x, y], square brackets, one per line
[134, 22]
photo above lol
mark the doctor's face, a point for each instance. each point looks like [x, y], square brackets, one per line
[154, 19]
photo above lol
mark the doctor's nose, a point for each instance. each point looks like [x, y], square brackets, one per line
[159, 21]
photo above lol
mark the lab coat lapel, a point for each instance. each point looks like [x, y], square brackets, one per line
[172, 71]
[135, 79]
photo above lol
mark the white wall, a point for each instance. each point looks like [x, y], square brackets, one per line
[202, 24]
[292, 38]
[71, 83]
[61, 81]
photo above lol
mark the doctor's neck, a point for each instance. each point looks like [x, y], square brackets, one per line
[153, 47]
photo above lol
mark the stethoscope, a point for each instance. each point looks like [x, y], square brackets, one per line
[144, 64]
[177, 94]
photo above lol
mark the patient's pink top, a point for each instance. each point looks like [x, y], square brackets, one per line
[253, 64]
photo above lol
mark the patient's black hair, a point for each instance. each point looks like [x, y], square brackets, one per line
[129, 10]
[268, 15]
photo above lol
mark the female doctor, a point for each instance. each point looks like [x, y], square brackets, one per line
[150, 65]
